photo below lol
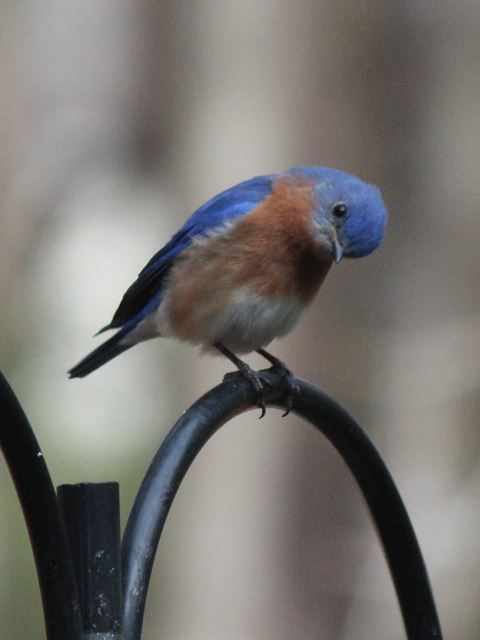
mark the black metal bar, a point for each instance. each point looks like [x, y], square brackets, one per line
[39, 503]
[386, 507]
[200, 422]
[91, 514]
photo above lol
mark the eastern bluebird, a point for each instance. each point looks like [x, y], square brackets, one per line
[244, 266]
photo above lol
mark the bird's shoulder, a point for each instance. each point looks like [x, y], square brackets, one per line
[213, 215]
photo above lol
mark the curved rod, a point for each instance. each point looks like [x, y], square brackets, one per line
[191, 432]
[39, 503]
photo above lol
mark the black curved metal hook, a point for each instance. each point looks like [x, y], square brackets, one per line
[200, 422]
[39, 503]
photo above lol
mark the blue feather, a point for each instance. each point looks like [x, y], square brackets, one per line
[214, 214]
[221, 209]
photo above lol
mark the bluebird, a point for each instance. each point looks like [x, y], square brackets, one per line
[244, 266]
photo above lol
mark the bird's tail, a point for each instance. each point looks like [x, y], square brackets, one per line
[102, 354]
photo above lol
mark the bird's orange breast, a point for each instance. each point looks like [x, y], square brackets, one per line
[272, 251]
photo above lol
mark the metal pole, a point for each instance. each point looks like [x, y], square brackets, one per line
[91, 514]
[39, 503]
[193, 430]
[92, 521]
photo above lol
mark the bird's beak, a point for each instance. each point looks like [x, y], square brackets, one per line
[336, 246]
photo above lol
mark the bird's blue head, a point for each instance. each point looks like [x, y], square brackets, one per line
[349, 213]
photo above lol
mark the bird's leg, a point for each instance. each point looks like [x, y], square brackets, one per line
[283, 370]
[248, 373]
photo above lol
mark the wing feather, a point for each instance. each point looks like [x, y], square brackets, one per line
[217, 212]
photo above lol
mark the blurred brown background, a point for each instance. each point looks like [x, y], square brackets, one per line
[118, 119]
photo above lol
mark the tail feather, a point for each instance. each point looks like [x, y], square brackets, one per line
[107, 327]
[102, 354]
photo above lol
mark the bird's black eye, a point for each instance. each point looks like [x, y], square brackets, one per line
[339, 210]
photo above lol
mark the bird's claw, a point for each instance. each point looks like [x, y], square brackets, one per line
[256, 383]
[293, 390]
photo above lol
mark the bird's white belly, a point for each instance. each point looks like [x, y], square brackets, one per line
[251, 321]
[247, 322]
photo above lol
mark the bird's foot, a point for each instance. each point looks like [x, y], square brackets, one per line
[256, 382]
[293, 390]
[254, 378]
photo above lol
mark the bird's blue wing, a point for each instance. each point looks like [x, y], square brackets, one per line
[214, 214]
